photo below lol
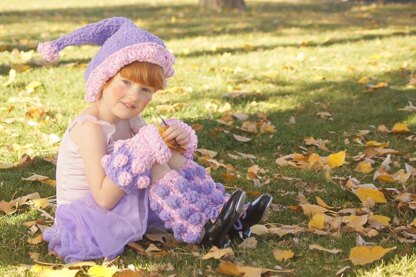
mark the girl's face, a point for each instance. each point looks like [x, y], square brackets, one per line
[125, 98]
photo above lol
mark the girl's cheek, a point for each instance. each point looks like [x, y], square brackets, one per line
[118, 91]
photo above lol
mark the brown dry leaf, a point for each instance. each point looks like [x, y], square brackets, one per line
[36, 240]
[248, 243]
[355, 222]
[317, 222]
[310, 210]
[266, 127]
[206, 152]
[286, 229]
[377, 86]
[283, 255]
[259, 229]
[325, 115]
[8, 207]
[362, 255]
[383, 129]
[249, 126]
[366, 194]
[363, 167]
[322, 203]
[320, 248]
[40, 203]
[228, 269]
[400, 128]
[241, 116]
[6, 165]
[320, 143]
[342, 270]
[241, 138]
[129, 273]
[250, 271]
[162, 237]
[42, 179]
[336, 159]
[409, 108]
[216, 253]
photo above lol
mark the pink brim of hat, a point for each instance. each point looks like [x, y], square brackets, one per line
[144, 52]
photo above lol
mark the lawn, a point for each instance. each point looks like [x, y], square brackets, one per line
[299, 69]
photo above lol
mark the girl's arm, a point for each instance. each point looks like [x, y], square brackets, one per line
[93, 145]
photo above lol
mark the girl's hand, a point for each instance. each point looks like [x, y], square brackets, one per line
[176, 133]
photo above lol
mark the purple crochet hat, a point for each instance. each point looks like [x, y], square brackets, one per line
[122, 43]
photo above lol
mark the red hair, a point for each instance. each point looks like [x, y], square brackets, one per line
[148, 74]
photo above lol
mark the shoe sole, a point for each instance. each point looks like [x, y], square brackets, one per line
[266, 209]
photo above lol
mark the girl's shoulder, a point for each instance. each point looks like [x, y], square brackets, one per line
[88, 126]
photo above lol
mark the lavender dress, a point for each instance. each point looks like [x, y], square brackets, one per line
[82, 230]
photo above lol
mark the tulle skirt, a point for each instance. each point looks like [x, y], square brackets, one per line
[85, 231]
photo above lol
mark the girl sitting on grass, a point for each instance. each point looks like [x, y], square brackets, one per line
[116, 176]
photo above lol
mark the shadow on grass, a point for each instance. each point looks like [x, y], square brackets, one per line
[191, 21]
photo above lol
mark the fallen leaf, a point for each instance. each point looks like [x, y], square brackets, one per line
[102, 271]
[337, 159]
[36, 240]
[206, 152]
[322, 203]
[216, 253]
[241, 138]
[317, 221]
[365, 194]
[259, 229]
[342, 270]
[409, 108]
[320, 248]
[249, 126]
[362, 255]
[310, 210]
[363, 167]
[248, 243]
[380, 219]
[228, 269]
[282, 255]
[400, 128]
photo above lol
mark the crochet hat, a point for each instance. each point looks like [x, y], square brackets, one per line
[122, 43]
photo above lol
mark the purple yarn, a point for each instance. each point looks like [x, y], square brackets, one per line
[182, 187]
[202, 204]
[174, 202]
[195, 219]
[154, 206]
[186, 212]
[162, 191]
[189, 173]
[217, 198]
[192, 197]
[165, 215]
[200, 172]
[220, 187]
[192, 237]
[207, 187]
[178, 230]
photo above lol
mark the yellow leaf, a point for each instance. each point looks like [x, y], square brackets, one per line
[322, 203]
[362, 255]
[228, 269]
[363, 167]
[39, 268]
[283, 255]
[40, 203]
[102, 271]
[337, 159]
[400, 128]
[318, 247]
[373, 143]
[380, 219]
[414, 222]
[355, 222]
[65, 272]
[364, 194]
[311, 210]
[216, 253]
[32, 85]
[363, 80]
[317, 221]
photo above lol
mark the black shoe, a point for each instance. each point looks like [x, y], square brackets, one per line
[215, 233]
[253, 215]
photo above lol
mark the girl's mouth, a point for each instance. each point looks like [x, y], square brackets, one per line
[129, 106]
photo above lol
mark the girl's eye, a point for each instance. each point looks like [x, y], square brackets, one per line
[146, 90]
[126, 82]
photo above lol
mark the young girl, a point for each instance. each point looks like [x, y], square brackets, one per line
[116, 176]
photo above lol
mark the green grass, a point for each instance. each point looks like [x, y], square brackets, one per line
[297, 55]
